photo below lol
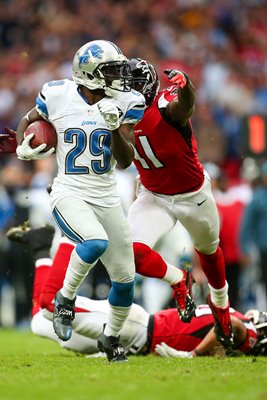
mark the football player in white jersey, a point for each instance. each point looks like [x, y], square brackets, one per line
[94, 116]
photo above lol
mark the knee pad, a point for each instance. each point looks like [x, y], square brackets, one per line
[90, 250]
[121, 294]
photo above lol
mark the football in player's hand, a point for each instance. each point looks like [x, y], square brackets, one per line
[44, 132]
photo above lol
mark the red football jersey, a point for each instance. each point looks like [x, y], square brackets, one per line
[183, 336]
[166, 158]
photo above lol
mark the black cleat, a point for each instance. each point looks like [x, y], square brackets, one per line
[185, 304]
[38, 239]
[112, 347]
[64, 314]
[222, 326]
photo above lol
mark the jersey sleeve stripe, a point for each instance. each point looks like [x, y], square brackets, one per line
[42, 106]
[133, 116]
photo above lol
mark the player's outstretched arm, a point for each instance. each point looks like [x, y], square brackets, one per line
[206, 347]
[182, 107]
[210, 343]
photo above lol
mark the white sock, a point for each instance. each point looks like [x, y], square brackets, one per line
[173, 274]
[116, 317]
[219, 297]
[76, 272]
[43, 262]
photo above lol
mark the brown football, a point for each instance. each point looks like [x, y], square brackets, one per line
[44, 132]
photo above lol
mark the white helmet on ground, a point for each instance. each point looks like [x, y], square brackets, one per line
[259, 319]
[100, 64]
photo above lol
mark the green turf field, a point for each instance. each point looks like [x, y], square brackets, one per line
[35, 368]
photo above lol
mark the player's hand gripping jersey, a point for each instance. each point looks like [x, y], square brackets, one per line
[86, 167]
[166, 156]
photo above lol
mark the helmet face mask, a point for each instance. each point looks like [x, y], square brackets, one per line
[117, 75]
[101, 65]
[259, 319]
[145, 79]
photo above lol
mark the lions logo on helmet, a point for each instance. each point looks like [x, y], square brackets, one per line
[100, 64]
[92, 51]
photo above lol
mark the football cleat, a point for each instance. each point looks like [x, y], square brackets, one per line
[37, 239]
[112, 347]
[64, 314]
[222, 325]
[184, 302]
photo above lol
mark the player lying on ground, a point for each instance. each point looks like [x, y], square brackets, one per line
[163, 333]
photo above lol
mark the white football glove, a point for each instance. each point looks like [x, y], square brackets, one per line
[26, 153]
[96, 355]
[110, 113]
[164, 350]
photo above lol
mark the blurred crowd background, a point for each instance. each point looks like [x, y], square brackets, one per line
[222, 46]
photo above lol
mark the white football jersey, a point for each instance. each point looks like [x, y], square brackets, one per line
[86, 166]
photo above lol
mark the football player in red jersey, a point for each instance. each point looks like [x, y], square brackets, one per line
[173, 186]
[163, 333]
